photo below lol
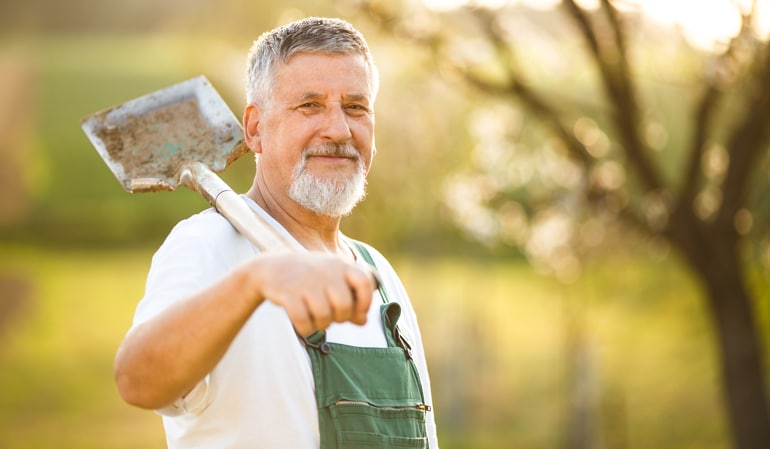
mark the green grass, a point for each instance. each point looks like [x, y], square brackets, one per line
[57, 352]
[502, 341]
[499, 339]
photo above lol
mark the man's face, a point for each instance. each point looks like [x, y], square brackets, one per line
[318, 131]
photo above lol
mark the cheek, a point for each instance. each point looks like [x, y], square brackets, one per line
[370, 152]
[364, 136]
[368, 159]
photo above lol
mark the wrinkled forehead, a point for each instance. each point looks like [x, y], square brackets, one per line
[328, 68]
[320, 74]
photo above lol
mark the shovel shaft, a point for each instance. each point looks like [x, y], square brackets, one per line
[219, 195]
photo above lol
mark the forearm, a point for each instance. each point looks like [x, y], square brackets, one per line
[164, 358]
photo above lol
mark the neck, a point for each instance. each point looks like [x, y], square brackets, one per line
[314, 232]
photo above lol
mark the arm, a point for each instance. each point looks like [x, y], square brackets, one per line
[163, 358]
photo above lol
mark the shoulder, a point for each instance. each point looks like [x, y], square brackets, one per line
[205, 234]
[203, 242]
[204, 226]
[387, 273]
[379, 260]
[197, 252]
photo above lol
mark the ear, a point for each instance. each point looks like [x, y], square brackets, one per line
[251, 117]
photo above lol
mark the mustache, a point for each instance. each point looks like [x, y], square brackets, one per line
[331, 149]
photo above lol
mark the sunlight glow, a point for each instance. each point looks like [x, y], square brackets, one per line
[706, 24]
[716, 21]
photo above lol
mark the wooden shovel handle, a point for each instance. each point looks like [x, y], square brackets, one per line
[218, 194]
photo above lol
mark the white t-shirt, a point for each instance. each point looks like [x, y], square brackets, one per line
[261, 394]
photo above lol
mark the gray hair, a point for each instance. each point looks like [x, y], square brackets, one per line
[311, 35]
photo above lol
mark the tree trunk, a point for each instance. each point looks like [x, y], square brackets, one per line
[718, 266]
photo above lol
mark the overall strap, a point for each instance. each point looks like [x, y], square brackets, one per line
[390, 314]
[368, 258]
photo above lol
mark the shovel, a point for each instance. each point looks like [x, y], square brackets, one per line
[180, 135]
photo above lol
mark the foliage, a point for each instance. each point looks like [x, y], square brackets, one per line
[572, 157]
[572, 138]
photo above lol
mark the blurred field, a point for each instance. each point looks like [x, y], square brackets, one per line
[56, 351]
[502, 342]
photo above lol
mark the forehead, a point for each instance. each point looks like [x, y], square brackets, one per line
[323, 73]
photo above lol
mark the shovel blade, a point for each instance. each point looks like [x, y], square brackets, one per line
[145, 142]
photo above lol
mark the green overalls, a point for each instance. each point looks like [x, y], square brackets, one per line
[369, 397]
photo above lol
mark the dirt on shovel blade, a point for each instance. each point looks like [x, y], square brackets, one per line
[154, 144]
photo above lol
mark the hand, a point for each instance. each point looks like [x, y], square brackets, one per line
[315, 289]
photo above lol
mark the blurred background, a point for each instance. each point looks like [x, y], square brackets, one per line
[576, 195]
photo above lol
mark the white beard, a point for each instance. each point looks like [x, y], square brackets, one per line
[329, 197]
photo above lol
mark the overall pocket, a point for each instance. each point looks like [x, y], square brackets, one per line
[363, 425]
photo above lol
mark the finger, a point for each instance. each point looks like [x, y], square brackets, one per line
[341, 300]
[300, 318]
[362, 284]
[319, 309]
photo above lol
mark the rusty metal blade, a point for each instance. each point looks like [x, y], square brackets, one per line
[180, 135]
[145, 141]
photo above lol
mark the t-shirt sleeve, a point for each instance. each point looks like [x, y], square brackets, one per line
[194, 402]
[197, 252]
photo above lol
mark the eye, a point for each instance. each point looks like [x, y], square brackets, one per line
[309, 105]
[356, 109]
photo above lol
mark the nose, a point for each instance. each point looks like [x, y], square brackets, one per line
[336, 127]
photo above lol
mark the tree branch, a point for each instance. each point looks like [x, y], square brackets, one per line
[519, 91]
[702, 119]
[618, 83]
[706, 109]
[747, 142]
[517, 88]
[624, 79]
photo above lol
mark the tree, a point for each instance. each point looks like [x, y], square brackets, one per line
[616, 165]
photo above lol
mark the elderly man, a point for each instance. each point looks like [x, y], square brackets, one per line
[315, 348]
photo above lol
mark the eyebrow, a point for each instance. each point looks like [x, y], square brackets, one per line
[311, 96]
[356, 97]
[347, 97]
